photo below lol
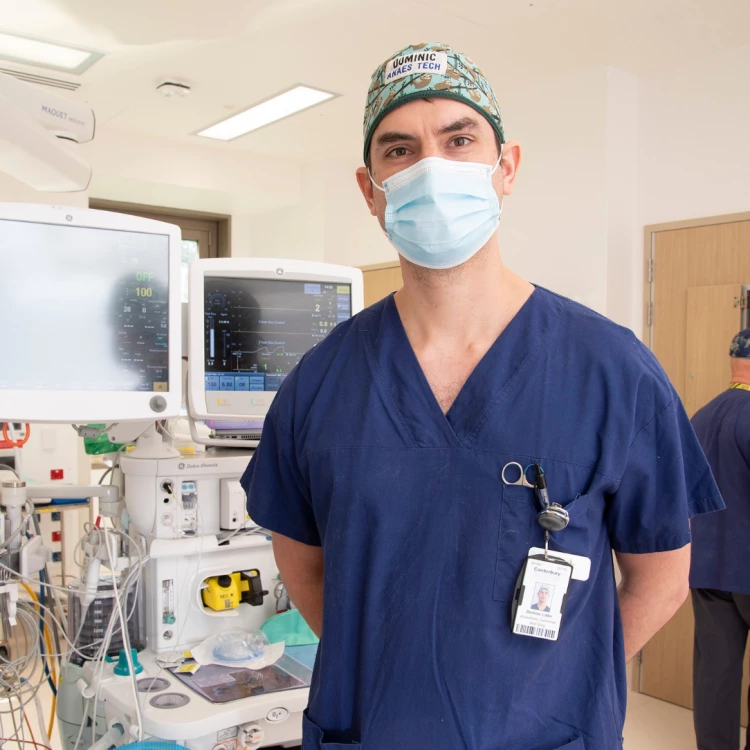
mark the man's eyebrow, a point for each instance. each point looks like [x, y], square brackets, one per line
[465, 123]
[393, 137]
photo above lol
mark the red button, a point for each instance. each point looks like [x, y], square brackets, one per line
[56, 474]
[57, 536]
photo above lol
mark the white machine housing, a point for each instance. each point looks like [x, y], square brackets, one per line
[250, 405]
[204, 488]
[85, 405]
[33, 123]
[181, 506]
[271, 720]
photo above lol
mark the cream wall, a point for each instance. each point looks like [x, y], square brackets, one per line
[13, 191]
[624, 236]
[208, 178]
[694, 147]
[331, 222]
[695, 144]
[554, 226]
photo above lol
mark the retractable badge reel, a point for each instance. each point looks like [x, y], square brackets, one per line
[553, 516]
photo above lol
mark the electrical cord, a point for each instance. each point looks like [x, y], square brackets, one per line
[22, 677]
[105, 475]
[45, 640]
[55, 595]
[126, 644]
[21, 526]
[5, 467]
[132, 578]
[83, 723]
[45, 732]
[101, 654]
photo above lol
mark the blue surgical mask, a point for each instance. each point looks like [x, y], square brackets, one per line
[439, 213]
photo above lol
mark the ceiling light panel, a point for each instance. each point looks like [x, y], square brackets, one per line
[284, 105]
[29, 51]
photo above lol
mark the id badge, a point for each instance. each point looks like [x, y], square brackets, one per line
[540, 597]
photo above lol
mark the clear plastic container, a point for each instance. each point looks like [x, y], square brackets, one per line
[89, 632]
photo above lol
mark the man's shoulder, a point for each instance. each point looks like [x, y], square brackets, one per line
[735, 402]
[341, 341]
[609, 358]
[597, 339]
[339, 349]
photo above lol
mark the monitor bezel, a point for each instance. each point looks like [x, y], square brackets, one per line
[87, 406]
[250, 268]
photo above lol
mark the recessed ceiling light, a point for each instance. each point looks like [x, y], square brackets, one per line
[280, 106]
[21, 49]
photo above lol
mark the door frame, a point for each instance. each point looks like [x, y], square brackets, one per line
[381, 266]
[649, 247]
[223, 221]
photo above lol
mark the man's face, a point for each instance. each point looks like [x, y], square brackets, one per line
[543, 596]
[435, 127]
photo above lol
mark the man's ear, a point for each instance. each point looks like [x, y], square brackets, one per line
[510, 164]
[365, 185]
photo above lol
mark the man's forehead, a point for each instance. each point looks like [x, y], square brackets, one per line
[433, 115]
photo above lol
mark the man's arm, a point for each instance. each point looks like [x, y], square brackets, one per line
[301, 568]
[653, 588]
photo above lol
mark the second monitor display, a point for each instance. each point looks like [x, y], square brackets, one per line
[258, 329]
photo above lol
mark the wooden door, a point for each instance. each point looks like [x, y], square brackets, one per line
[381, 280]
[697, 276]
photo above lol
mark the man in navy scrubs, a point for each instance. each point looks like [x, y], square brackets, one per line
[720, 572]
[379, 471]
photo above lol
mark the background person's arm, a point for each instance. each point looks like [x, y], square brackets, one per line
[301, 568]
[653, 588]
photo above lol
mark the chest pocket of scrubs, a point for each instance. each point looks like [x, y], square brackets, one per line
[313, 738]
[519, 532]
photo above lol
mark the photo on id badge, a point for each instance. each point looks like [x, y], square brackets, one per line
[543, 596]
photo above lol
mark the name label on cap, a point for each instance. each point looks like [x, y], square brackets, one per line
[416, 63]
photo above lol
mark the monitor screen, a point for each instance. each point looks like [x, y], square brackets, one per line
[89, 308]
[256, 330]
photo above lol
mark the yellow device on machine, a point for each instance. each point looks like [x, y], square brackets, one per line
[229, 591]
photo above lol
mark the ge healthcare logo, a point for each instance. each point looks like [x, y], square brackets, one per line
[180, 466]
[279, 271]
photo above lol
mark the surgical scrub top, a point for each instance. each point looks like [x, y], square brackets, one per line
[423, 542]
[721, 540]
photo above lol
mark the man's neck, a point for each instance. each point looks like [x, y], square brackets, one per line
[741, 371]
[468, 303]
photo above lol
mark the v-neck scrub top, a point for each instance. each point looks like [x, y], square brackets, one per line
[423, 542]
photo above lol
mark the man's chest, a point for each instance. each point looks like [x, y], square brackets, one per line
[447, 371]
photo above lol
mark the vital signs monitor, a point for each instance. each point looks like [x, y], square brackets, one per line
[250, 322]
[92, 305]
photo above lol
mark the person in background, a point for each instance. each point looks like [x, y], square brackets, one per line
[720, 564]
